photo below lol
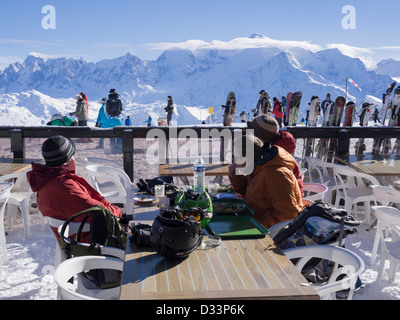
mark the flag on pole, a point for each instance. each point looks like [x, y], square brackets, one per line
[355, 84]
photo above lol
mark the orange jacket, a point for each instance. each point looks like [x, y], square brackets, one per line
[271, 190]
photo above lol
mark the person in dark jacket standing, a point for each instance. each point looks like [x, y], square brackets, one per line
[170, 110]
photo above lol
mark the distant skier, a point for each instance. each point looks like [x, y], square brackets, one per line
[148, 121]
[169, 109]
[376, 116]
[128, 122]
[243, 116]
[328, 106]
[278, 111]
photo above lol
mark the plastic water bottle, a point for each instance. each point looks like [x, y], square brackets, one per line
[199, 171]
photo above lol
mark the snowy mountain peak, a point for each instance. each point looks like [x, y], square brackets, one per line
[257, 36]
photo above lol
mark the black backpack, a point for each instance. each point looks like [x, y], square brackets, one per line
[317, 224]
[105, 230]
[114, 106]
[281, 107]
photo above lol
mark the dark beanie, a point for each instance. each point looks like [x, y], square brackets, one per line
[57, 150]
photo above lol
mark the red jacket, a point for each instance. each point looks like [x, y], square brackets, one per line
[61, 193]
[275, 111]
[287, 142]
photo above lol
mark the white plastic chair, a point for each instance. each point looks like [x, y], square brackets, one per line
[72, 229]
[388, 220]
[314, 191]
[354, 187]
[72, 267]
[119, 187]
[346, 263]
[303, 172]
[386, 196]
[5, 189]
[324, 176]
[273, 230]
[103, 162]
[20, 196]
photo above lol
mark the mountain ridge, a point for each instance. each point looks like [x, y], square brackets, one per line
[201, 77]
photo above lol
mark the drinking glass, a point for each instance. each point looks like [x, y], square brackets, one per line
[159, 191]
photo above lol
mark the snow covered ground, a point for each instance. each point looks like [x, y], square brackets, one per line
[29, 273]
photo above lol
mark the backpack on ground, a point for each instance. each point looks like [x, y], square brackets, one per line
[114, 106]
[317, 224]
[105, 230]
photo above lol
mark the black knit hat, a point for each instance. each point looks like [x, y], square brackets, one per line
[57, 150]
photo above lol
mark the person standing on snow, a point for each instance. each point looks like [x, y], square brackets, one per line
[128, 122]
[101, 118]
[81, 111]
[277, 111]
[170, 110]
[113, 112]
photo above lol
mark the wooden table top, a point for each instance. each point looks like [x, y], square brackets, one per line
[236, 269]
[8, 166]
[186, 169]
[375, 166]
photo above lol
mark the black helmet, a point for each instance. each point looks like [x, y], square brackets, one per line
[174, 235]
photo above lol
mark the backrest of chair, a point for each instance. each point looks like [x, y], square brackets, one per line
[98, 173]
[313, 165]
[344, 177]
[351, 265]
[72, 267]
[19, 180]
[385, 194]
[103, 162]
[5, 190]
[388, 218]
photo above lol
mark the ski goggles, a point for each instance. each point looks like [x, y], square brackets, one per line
[197, 213]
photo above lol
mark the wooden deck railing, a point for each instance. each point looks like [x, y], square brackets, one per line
[343, 135]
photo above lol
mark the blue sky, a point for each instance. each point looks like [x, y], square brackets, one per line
[102, 29]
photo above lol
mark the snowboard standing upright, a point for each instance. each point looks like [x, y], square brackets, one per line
[315, 109]
[394, 122]
[338, 113]
[322, 147]
[293, 108]
[349, 113]
[288, 102]
[230, 109]
[364, 118]
[386, 101]
[263, 104]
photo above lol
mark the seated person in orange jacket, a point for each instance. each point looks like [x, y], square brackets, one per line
[270, 187]
[60, 192]
[266, 129]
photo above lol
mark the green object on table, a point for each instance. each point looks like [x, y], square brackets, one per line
[236, 227]
[203, 202]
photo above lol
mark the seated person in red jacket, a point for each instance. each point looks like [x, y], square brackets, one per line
[60, 192]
